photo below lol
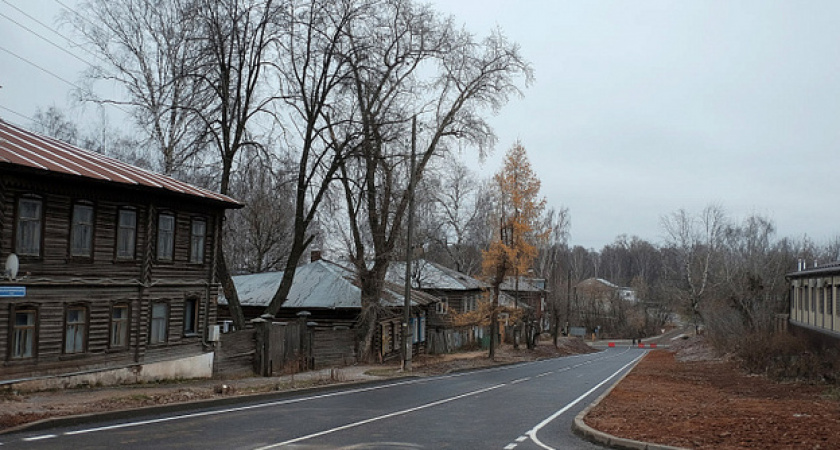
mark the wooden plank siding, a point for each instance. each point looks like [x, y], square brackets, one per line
[55, 279]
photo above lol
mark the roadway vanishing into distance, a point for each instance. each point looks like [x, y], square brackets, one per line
[523, 406]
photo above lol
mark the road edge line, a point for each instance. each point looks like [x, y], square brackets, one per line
[588, 433]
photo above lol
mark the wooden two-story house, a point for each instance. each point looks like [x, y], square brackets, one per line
[109, 269]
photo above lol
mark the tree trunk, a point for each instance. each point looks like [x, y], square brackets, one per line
[298, 248]
[371, 285]
[494, 320]
[229, 289]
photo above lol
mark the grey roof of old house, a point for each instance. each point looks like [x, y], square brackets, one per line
[430, 275]
[319, 284]
[526, 284]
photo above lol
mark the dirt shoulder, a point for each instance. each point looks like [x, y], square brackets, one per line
[19, 409]
[694, 400]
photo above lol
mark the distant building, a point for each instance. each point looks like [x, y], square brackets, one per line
[115, 268]
[598, 301]
[813, 294]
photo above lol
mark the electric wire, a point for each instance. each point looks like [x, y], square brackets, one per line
[17, 113]
[44, 38]
[43, 69]
[54, 31]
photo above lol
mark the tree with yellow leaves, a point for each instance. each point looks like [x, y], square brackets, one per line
[519, 211]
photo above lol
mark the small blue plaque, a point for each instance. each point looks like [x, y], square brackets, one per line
[12, 291]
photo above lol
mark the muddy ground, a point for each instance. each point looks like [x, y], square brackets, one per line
[691, 398]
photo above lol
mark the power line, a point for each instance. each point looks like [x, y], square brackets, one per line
[42, 69]
[56, 32]
[44, 38]
[17, 113]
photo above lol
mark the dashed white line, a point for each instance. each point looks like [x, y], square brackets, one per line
[382, 417]
[510, 446]
[521, 438]
[38, 438]
[520, 380]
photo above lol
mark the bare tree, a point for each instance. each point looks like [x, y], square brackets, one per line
[53, 122]
[146, 49]
[313, 70]
[462, 206]
[753, 273]
[407, 61]
[695, 242]
[549, 265]
[259, 235]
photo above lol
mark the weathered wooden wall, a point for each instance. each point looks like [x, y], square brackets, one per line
[55, 279]
[235, 355]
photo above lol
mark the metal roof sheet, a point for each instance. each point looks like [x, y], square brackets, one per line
[430, 275]
[320, 284]
[25, 148]
[526, 284]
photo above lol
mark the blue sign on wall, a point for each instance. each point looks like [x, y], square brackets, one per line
[12, 291]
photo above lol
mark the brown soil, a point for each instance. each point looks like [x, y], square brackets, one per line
[691, 399]
[17, 409]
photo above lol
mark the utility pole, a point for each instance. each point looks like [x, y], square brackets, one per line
[568, 300]
[407, 335]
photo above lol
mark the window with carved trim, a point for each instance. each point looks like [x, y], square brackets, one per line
[198, 231]
[29, 226]
[160, 323]
[166, 237]
[119, 325]
[75, 329]
[24, 327]
[126, 233]
[81, 230]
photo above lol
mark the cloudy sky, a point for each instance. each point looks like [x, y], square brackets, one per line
[639, 108]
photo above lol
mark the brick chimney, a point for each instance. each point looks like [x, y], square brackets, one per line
[315, 255]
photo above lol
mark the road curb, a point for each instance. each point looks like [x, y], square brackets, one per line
[583, 430]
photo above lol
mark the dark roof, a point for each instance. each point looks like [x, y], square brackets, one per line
[824, 269]
[19, 147]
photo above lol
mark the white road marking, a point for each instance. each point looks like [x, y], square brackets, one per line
[544, 374]
[532, 433]
[520, 380]
[521, 438]
[382, 417]
[38, 438]
[510, 446]
[237, 409]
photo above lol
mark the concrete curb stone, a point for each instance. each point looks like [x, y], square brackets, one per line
[599, 437]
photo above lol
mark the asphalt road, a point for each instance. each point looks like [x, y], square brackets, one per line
[523, 406]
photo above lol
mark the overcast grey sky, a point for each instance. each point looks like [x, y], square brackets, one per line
[639, 107]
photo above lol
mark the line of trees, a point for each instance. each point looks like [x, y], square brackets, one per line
[300, 106]
[303, 109]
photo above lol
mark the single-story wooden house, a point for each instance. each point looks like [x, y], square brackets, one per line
[529, 293]
[458, 294]
[330, 293]
[109, 271]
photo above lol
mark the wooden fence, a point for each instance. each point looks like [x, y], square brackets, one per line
[235, 354]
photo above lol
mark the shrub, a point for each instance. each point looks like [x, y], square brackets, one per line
[782, 356]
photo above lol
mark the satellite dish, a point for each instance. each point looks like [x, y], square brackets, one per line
[12, 266]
